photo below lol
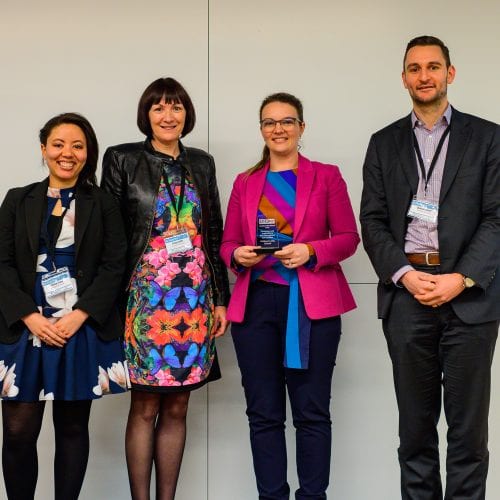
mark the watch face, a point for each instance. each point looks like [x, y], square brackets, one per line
[469, 282]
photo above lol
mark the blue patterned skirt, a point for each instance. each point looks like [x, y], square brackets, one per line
[85, 368]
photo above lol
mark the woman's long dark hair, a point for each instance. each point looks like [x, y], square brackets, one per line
[87, 175]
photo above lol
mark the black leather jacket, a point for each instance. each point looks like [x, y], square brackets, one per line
[132, 174]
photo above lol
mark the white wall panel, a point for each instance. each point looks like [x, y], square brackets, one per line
[94, 57]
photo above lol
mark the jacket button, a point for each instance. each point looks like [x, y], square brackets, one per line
[79, 273]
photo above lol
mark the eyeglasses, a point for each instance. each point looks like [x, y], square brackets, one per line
[268, 124]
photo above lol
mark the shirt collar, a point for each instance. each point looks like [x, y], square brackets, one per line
[444, 120]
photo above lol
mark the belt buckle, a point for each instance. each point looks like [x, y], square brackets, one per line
[427, 263]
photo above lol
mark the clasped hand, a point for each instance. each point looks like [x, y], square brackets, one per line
[433, 289]
[55, 333]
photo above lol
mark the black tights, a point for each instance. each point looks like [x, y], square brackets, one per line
[21, 427]
[156, 432]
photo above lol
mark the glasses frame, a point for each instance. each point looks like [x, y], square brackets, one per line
[275, 122]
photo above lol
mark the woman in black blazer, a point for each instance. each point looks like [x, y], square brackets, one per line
[62, 255]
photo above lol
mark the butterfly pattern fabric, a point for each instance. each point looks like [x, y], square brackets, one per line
[170, 307]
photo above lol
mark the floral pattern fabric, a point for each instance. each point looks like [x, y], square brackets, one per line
[86, 367]
[170, 308]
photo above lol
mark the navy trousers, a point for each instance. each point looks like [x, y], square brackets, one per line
[259, 344]
[434, 353]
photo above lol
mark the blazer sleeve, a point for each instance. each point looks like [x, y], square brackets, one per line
[344, 237]
[481, 258]
[233, 236]
[101, 295]
[385, 254]
[15, 303]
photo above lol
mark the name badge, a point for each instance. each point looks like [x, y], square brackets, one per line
[178, 241]
[56, 282]
[267, 235]
[423, 210]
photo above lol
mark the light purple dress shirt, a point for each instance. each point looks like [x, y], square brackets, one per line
[422, 236]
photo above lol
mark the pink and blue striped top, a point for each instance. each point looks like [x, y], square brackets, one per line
[277, 202]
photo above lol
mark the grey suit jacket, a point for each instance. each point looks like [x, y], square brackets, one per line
[469, 210]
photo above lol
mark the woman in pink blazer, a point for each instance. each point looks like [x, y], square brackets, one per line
[289, 225]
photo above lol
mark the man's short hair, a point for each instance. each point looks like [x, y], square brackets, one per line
[425, 40]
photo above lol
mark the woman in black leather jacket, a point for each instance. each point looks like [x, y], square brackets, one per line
[177, 285]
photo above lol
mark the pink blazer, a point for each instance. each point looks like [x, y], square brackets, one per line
[323, 217]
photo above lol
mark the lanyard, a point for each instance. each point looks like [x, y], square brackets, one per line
[427, 177]
[51, 242]
[177, 206]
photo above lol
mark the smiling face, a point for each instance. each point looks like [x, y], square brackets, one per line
[65, 154]
[167, 121]
[426, 76]
[281, 142]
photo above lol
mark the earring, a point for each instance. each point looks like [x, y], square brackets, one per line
[299, 144]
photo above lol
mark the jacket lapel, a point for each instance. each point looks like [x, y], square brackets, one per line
[305, 178]
[404, 145]
[254, 186]
[84, 203]
[35, 204]
[459, 138]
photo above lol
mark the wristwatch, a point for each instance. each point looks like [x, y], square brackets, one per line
[468, 282]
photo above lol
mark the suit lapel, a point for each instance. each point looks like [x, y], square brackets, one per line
[84, 204]
[35, 203]
[404, 145]
[459, 138]
[305, 178]
[254, 186]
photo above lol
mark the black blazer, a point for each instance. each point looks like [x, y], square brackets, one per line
[469, 210]
[100, 247]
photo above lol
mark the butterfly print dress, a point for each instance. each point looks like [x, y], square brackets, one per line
[168, 344]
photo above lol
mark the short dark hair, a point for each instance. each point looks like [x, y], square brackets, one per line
[173, 92]
[87, 175]
[426, 40]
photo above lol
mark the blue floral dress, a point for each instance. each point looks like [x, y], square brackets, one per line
[86, 367]
[168, 345]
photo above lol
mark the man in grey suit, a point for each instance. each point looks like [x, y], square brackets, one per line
[430, 217]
